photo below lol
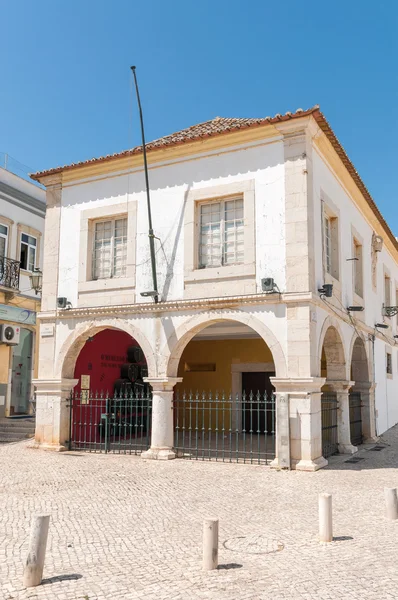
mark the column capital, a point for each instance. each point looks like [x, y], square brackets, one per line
[53, 387]
[307, 385]
[338, 385]
[364, 386]
[162, 384]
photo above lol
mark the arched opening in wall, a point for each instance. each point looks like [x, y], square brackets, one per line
[224, 408]
[359, 395]
[333, 367]
[111, 404]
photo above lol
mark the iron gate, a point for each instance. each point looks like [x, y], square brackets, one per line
[329, 406]
[224, 428]
[355, 418]
[102, 423]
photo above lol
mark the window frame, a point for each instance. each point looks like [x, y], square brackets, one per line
[331, 270]
[6, 237]
[111, 220]
[98, 292]
[29, 246]
[222, 202]
[230, 279]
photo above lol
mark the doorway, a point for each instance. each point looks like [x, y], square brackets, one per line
[21, 374]
[258, 402]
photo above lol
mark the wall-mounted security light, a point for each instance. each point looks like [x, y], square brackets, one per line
[152, 294]
[268, 285]
[389, 311]
[355, 308]
[63, 302]
[326, 290]
[381, 325]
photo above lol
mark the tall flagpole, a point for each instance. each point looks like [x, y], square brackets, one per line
[151, 236]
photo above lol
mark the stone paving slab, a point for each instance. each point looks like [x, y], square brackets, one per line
[123, 528]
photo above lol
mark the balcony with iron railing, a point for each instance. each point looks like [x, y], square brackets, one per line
[9, 273]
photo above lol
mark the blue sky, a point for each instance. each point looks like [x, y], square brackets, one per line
[65, 82]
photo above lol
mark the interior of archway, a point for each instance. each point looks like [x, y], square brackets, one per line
[207, 360]
[110, 362]
[359, 363]
[333, 365]
[225, 399]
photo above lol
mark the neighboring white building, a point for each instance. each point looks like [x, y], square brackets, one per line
[234, 202]
[22, 212]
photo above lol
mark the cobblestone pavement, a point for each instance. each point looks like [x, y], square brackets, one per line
[124, 528]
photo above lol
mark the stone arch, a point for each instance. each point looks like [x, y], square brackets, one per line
[75, 341]
[331, 342]
[177, 341]
[359, 360]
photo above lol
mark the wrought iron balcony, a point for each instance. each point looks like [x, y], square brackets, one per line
[9, 273]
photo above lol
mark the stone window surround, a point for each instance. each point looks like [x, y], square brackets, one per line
[192, 273]
[8, 223]
[357, 240]
[387, 275]
[87, 221]
[22, 228]
[332, 211]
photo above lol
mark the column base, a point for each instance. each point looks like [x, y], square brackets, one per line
[347, 449]
[159, 454]
[311, 465]
[279, 464]
[52, 447]
[371, 440]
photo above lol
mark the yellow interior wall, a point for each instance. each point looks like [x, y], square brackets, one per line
[222, 353]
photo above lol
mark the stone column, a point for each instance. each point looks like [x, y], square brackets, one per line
[367, 391]
[305, 424]
[282, 432]
[162, 435]
[342, 390]
[53, 412]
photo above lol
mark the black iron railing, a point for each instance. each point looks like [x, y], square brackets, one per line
[102, 423]
[9, 273]
[330, 407]
[224, 427]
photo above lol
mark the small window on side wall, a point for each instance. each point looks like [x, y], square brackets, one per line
[389, 363]
[357, 262]
[331, 244]
[28, 252]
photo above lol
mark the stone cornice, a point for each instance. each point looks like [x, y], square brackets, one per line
[179, 305]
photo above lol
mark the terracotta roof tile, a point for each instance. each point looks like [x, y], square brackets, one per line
[216, 126]
[223, 125]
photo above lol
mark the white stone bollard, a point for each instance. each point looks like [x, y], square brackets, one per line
[210, 544]
[390, 495]
[325, 518]
[33, 571]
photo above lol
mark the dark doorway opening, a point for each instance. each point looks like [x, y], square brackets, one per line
[258, 402]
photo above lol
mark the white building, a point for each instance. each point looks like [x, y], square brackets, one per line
[22, 212]
[234, 201]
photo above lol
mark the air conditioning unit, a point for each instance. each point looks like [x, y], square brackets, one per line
[9, 334]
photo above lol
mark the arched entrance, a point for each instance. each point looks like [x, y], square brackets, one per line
[333, 367]
[359, 394]
[111, 404]
[224, 407]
